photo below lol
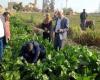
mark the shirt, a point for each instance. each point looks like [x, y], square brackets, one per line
[58, 25]
[1, 29]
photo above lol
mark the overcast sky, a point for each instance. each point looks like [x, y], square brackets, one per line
[76, 5]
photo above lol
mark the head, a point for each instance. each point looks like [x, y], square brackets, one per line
[47, 17]
[29, 46]
[83, 10]
[6, 15]
[60, 13]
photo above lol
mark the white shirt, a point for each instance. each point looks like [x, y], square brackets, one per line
[1, 29]
[58, 25]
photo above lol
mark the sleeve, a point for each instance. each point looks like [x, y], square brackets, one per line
[37, 52]
[7, 30]
[66, 25]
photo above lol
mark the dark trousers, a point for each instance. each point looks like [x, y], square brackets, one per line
[83, 24]
[57, 42]
[1, 48]
[46, 36]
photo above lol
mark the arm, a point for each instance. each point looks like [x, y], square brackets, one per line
[7, 30]
[65, 26]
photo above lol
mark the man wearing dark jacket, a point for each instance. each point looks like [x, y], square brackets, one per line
[32, 51]
[83, 17]
[60, 30]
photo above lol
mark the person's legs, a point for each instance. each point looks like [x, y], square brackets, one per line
[83, 24]
[1, 48]
[45, 35]
[57, 42]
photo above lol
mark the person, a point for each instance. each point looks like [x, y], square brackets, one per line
[3, 25]
[32, 51]
[1, 38]
[60, 30]
[83, 17]
[47, 27]
[7, 27]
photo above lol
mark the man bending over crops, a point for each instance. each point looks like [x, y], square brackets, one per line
[32, 51]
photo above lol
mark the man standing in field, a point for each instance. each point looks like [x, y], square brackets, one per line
[61, 28]
[83, 17]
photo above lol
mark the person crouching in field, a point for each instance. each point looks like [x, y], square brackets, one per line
[47, 27]
[32, 51]
[60, 30]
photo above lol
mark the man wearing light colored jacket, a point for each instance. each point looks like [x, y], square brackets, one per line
[61, 28]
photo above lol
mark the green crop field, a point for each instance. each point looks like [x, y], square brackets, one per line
[75, 61]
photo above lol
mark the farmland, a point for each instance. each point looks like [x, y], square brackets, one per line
[74, 61]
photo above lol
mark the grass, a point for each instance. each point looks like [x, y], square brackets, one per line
[33, 19]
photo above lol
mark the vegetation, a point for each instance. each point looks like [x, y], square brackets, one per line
[73, 62]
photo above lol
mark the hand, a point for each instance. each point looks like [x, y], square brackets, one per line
[60, 30]
[45, 29]
[48, 31]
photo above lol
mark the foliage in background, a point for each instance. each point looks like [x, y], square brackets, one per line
[76, 62]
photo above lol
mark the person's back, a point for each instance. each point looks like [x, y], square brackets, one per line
[32, 51]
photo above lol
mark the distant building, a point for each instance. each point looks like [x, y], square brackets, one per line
[1, 9]
[10, 5]
[31, 5]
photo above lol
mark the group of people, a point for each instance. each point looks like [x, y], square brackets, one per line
[4, 31]
[32, 51]
[86, 23]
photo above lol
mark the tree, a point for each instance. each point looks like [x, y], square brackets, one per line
[99, 7]
[52, 3]
[46, 6]
[67, 10]
[18, 7]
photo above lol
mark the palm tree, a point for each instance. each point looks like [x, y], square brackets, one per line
[35, 2]
[52, 3]
[66, 3]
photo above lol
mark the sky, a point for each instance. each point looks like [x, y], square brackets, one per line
[76, 5]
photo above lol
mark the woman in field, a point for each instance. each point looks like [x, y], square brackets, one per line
[47, 27]
[7, 27]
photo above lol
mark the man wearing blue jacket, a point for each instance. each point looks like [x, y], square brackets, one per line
[32, 51]
[61, 28]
